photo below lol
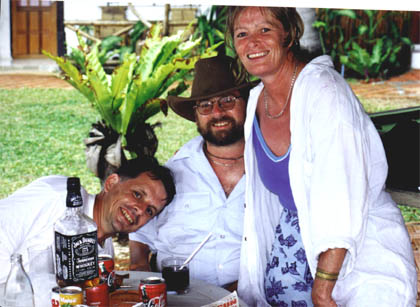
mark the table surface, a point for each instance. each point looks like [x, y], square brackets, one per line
[200, 293]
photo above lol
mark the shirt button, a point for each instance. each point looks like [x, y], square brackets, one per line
[244, 205]
[245, 238]
[222, 236]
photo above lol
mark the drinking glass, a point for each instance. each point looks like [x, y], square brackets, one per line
[41, 272]
[41, 260]
[176, 279]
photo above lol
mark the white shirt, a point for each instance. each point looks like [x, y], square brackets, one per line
[337, 174]
[199, 207]
[27, 219]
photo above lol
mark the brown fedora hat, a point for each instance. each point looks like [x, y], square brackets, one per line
[213, 77]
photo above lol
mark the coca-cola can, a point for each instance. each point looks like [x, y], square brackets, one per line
[106, 265]
[152, 291]
[106, 269]
[97, 295]
[55, 297]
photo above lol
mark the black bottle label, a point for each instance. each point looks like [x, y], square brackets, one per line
[76, 257]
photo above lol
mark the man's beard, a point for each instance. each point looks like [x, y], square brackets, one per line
[221, 138]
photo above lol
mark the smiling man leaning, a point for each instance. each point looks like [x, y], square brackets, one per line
[130, 197]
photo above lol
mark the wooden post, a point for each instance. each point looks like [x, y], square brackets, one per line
[166, 20]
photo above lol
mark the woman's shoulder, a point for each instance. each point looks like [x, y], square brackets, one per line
[320, 68]
[319, 78]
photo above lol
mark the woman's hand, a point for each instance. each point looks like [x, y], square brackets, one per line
[321, 293]
[329, 266]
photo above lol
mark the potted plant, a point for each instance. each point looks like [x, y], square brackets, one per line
[130, 95]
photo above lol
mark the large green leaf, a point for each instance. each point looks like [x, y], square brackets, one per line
[94, 65]
[73, 76]
[121, 79]
[128, 107]
[348, 13]
[169, 44]
[147, 60]
[137, 89]
[377, 52]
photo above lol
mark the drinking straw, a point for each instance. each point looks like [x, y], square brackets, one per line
[196, 250]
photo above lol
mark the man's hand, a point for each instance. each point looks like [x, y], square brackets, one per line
[139, 256]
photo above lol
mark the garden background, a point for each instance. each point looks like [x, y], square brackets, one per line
[44, 121]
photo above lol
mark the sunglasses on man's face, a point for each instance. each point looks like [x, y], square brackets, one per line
[226, 103]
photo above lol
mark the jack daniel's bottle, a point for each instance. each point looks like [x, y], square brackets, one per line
[76, 237]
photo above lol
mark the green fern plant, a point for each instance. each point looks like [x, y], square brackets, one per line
[136, 90]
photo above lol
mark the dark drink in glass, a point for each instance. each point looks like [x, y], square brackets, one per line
[176, 279]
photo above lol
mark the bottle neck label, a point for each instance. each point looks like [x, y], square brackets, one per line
[74, 200]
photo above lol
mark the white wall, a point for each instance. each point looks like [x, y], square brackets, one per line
[5, 34]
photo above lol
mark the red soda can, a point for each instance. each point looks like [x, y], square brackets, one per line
[97, 295]
[106, 269]
[106, 265]
[153, 289]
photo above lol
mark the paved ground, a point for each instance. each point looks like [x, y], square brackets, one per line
[21, 80]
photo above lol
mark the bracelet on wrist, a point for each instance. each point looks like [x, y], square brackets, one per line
[326, 275]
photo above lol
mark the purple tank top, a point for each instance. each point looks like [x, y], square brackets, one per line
[273, 170]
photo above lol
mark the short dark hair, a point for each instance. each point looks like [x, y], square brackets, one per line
[133, 168]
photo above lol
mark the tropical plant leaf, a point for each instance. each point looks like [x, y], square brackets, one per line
[348, 13]
[136, 90]
[150, 108]
[406, 40]
[185, 48]
[128, 107]
[377, 52]
[121, 78]
[94, 65]
[180, 88]
[73, 76]
[362, 29]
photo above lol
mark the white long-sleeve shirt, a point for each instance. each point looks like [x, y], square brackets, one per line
[337, 174]
[27, 219]
[200, 206]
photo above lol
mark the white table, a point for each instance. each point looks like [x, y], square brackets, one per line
[200, 293]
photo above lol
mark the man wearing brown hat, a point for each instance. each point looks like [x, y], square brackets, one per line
[210, 181]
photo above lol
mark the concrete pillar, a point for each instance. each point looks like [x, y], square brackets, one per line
[310, 39]
[5, 34]
[415, 56]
